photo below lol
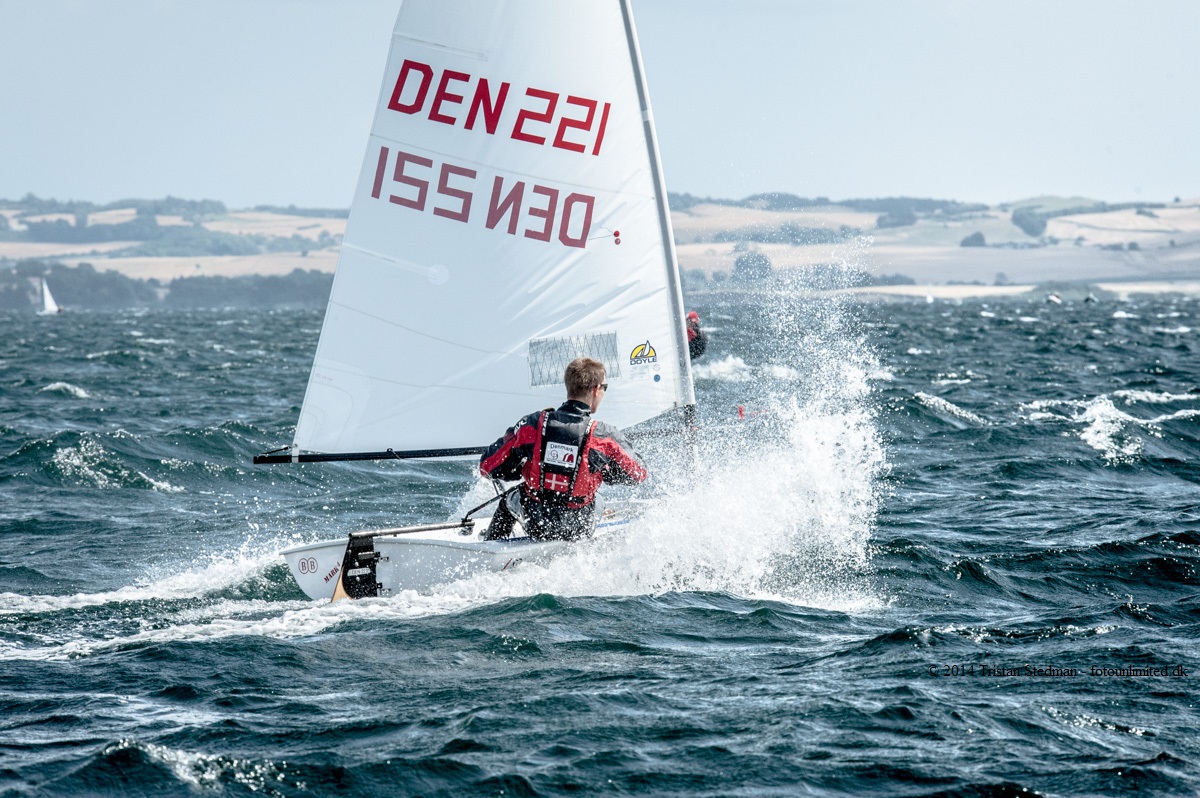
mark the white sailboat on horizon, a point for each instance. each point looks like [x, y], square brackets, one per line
[49, 306]
[510, 216]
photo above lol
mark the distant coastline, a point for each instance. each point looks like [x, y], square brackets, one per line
[186, 253]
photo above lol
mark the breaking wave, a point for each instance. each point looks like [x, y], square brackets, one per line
[66, 389]
[948, 409]
[1106, 431]
[91, 463]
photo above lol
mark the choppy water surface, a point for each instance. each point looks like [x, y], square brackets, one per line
[950, 550]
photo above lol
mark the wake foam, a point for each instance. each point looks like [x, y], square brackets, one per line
[788, 522]
[203, 603]
[222, 573]
[1132, 397]
[66, 389]
[948, 409]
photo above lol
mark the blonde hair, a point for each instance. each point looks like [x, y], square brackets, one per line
[582, 375]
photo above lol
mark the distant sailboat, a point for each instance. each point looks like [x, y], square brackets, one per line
[49, 306]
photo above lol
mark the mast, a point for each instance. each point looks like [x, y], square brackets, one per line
[671, 260]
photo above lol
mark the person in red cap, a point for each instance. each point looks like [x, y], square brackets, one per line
[697, 340]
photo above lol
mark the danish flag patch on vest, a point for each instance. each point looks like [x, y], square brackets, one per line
[560, 483]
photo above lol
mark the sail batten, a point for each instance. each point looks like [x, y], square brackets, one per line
[510, 215]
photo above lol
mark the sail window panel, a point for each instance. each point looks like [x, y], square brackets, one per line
[548, 357]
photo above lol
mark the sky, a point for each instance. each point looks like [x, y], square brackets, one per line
[270, 101]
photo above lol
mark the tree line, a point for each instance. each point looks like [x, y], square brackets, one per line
[83, 287]
[1032, 218]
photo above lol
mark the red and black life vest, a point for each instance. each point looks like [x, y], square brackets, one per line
[562, 456]
[559, 465]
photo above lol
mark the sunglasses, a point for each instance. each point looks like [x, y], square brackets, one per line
[603, 386]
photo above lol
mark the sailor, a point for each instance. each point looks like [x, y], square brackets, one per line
[697, 340]
[561, 457]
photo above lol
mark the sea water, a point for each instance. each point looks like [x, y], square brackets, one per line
[922, 549]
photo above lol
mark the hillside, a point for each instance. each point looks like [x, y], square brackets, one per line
[884, 240]
[1081, 240]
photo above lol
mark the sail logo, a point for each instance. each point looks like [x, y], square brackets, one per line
[643, 354]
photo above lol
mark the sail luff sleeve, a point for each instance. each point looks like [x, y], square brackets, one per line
[687, 393]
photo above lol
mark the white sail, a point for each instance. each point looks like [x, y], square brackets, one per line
[510, 215]
[49, 306]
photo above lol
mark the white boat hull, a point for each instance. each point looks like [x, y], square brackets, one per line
[421, 561]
